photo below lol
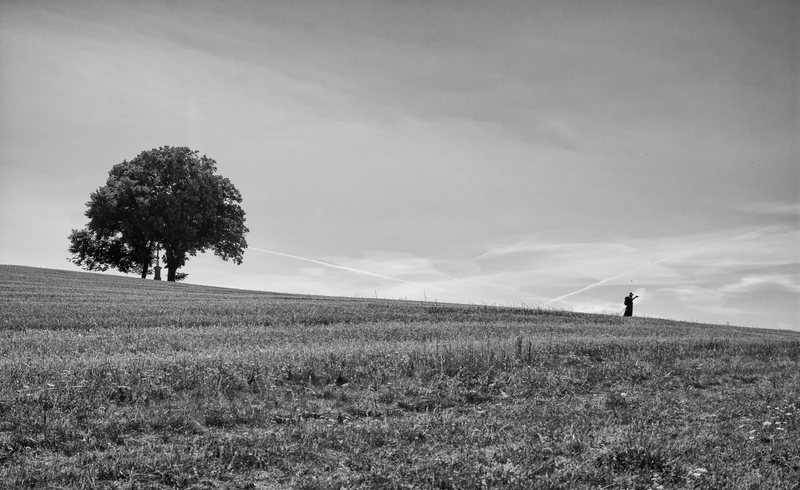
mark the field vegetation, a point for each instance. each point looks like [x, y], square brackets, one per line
[115, 382]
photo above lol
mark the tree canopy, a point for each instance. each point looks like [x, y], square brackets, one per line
[167, 199]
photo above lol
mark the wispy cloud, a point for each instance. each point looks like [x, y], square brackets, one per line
[598, 283]
[538, 244]
[713, 249]
[726, 274]
[700, 299]
[396, 264]
[782, 208]
[333, 266]
[751, 283]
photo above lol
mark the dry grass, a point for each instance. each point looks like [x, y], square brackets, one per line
[110, 382]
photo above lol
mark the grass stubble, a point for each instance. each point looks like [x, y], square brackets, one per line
[113, 382]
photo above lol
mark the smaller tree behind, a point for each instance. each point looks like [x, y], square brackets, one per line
[169, 199]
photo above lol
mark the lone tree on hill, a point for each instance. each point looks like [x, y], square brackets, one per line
[167, 199]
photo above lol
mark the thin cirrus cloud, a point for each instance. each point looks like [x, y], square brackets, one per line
[705, 272]
[780, 208]
[331, 265]
[752, 283]
[727, 275]
[676, 275]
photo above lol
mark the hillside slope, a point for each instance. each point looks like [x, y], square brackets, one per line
[54, 299]
[109, 381]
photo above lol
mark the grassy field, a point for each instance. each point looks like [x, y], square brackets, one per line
[115, 382]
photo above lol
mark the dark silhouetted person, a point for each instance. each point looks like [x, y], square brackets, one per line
[629, 304]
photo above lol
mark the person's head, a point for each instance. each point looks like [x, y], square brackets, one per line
[630, 295]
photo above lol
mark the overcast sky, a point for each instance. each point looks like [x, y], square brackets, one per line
[559, 154]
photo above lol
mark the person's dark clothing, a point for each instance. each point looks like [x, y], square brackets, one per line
[628, 306]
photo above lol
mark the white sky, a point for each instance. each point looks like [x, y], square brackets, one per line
[538, 153]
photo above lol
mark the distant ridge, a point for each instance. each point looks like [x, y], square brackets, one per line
[44, 297]
[40, 274]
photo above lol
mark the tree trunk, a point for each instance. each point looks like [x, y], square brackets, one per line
[144, 270]
[173, 260]
[172, 263]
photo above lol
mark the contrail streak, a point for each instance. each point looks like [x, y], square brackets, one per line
[335, 266]
[654, 263]
[589, 287]
[507, 249]
[754, 232]
[615, 277]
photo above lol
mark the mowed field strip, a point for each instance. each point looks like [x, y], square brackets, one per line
[117, 382]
